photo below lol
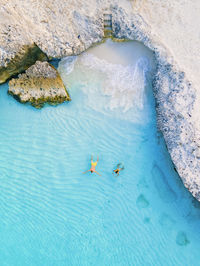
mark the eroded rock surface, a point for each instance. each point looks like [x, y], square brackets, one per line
[27, 55]
[40, 84]
[59, 28]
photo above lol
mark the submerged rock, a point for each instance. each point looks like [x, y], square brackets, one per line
[40, 84]
[181, 239]
[142, 202]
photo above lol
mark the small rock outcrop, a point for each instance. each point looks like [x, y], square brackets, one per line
[40, 84]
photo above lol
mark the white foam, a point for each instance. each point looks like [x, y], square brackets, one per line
[123, 84]
[114, 89]
[67, 64]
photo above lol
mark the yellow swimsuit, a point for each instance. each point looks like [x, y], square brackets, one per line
[93, 163]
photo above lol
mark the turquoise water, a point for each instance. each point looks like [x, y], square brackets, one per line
[52, 214]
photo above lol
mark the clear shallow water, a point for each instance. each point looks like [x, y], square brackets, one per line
[52, 214]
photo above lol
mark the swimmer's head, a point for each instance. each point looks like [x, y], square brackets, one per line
[91, 171]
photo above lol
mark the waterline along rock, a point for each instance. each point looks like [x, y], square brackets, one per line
[176, 98]
[40, 84]
[169, 28]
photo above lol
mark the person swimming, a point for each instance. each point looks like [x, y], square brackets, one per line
[119, 168]
[93, 165]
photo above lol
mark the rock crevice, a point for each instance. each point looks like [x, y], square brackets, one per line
[27, 55]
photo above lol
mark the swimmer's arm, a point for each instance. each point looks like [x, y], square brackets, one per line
[97, 173]
[97, 158]
[86, 171]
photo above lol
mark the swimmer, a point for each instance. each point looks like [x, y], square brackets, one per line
[119, 168]
[93, 165]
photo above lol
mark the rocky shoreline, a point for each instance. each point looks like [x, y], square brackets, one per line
[62, 29]
[175, 98]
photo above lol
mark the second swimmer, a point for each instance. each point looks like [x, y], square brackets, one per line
[119, 168]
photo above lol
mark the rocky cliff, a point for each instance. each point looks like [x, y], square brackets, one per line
[169, 28]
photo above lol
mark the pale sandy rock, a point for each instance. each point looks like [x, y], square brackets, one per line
[40, 84]
[59, 28]
[169, 28]
[176, 25]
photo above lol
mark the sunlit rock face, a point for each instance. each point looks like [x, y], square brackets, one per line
[39, 85]
[61, 28]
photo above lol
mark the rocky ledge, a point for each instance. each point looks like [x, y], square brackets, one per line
[40, 84]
